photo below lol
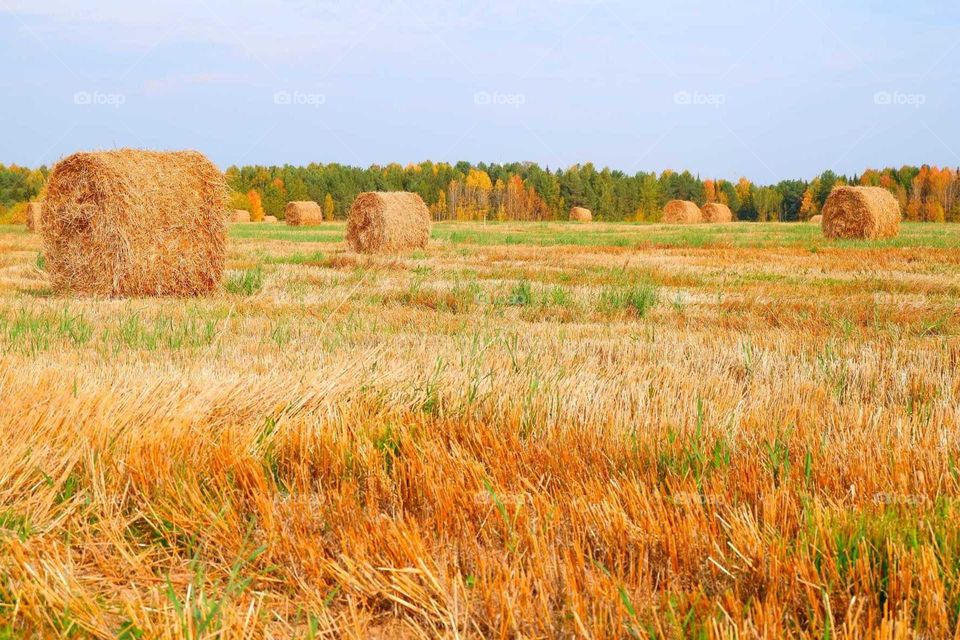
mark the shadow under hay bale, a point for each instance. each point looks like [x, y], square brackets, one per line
[580, 214]
[131, 222]
[382, 222]
[303, 213]
[681, 212]
[34, 211]
[238, 215]
[861, 212]
[717, 213]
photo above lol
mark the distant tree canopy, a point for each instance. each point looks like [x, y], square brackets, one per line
[526, 191]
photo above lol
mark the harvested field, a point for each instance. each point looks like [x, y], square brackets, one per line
[523, 430]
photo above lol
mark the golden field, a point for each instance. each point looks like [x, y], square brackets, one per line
[526, 431]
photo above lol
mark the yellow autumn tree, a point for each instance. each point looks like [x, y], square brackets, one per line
[328, 207]
[710, 190]
[808, 206]
[256, 205]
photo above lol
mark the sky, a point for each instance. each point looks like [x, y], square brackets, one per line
[767, 90]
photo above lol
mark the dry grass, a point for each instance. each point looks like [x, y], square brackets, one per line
[132, 222]
[238, 215]
[682, 212]
[303, 213]
[385, 222]
[487, 441]
[717, 213]
[861, 212]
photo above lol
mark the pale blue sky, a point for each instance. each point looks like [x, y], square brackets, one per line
[766, 90]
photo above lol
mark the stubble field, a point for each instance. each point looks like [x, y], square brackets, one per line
[525, 431]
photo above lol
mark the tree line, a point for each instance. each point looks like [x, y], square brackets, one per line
[526, 191]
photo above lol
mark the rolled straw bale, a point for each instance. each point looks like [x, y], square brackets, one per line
[861, 212]
[34, 209]
[388, 221]
[132, 222]
[303, 213]
[580, 214]
[270, 219]
[717, 213]
[239, 215]
[681, 212]
[817, 219]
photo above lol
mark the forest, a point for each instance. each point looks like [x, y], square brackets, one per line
[526, 191]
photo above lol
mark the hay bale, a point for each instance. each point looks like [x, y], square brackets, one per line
[817, 219]
[682, 212]
[34, 209]
[303, 213]
[384, 222]
[131, 222]
[861, 212]
[238, 215]
[270, 219]
[580, 214]
[717, 213]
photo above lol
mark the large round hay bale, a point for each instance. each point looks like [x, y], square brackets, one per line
[131, 222]
[717, 213]
[817, 219]
[300, 213]
[239, 215]
[270, 219]
[34, 209]
[682, 212]
[388, 221]
[861, 212]
[580, 214]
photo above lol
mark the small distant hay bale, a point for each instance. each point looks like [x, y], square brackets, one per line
[580, 214]
[861, 212]
[301, 213]
[817, 219]
[270, 219]
[239, 215]
[383, 222]
[717, 213]
[134, 223]
[682, 212]
[34, 209]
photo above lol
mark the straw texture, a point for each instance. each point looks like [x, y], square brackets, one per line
[132, 222]
[861, 212]
[34, 210]
[717, 213]
[387, 222]
[681, 212]
[303, 213]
